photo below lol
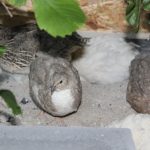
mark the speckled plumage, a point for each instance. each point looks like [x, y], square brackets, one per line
[54, 79]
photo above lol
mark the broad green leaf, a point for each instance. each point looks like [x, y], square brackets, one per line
[146, 5]
[10, 100]
[58, 17]
[130, 7]
[2, 50]
[17, 3]
[133, 12]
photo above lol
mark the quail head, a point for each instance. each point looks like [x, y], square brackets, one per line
[55, 85]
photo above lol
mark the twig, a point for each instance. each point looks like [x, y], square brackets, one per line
[10, 14]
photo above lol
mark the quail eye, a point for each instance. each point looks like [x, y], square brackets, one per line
[60, 82]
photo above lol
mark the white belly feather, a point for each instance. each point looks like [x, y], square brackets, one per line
[62, 100]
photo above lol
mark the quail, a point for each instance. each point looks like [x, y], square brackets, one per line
[55, 85]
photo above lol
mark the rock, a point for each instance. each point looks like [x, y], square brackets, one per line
[138, 90]
[25, 101]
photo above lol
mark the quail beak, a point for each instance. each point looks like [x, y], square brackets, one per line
[52, 89]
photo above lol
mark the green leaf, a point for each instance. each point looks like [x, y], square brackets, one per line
[58, 17]
[11, 102]
[133, 12]
[2, 50]
[146, 5]
[17, 3]
[130, 7]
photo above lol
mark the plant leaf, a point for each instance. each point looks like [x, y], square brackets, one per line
[146, 5]
[133, 12]
[58, 17]
[2, 50]
[11, 102]
[17, 3]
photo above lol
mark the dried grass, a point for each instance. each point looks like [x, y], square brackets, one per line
[106, 15]
[102, 15]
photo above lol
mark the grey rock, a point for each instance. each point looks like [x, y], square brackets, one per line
[25, 100]
[61, 138]
[138, 91]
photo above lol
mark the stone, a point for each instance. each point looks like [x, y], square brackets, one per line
[138, 90]
[64, 138]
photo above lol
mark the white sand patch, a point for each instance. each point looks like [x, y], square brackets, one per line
[140, 128]
[106, 59]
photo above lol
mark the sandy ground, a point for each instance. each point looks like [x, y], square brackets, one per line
[101, 104]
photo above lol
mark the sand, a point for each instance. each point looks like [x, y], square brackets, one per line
[101, 104]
